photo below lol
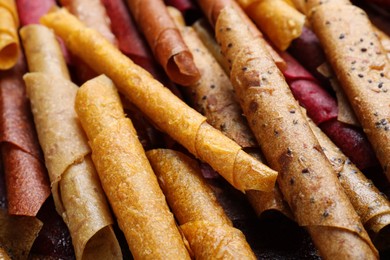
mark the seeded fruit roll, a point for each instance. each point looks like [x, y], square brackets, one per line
[126, 175]
[307, 179]
[361, 65]
[164, 109]
[76, 189]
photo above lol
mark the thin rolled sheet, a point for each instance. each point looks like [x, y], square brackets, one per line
[25, 173]
[213, 94]
[130, 41]
[167, 111]
[165, 41]
[131, 188]
[281, 22]
[371, 205]
[17, 234]
[76, 189]
[211, 8]
[9, 41]
[208, 230]
[307, 179]
[362, 67]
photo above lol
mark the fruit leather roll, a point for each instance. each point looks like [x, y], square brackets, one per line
[166, 111]
[211, 9]
[280, 21]
[213, 97]
[208, 230]
[132, 188]
[165, 41]
[25, 172]
[371, 205]
[360, 64]
[9, 41]
[130, 41]
[322, 108]
[76, 189]
[307, 179]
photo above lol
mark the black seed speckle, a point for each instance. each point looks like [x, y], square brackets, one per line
[230, 45]
[212, 86]
[305, 170]
[360, 75]
[380, 85]
[363, 49]
[342, 36]
[244, 68]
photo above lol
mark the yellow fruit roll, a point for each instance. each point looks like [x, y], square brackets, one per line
[126, 175]
[9, 41]
[208, 230]
[77, 193]
[280, 21]
[167, 111]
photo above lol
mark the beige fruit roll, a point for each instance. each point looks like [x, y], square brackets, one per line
[77, 192]
[361, 66]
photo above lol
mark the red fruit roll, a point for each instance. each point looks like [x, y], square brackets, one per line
[25, 173]
[322, 109]
[132, 43]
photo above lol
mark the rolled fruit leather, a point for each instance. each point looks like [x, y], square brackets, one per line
[361, 65]
[131, 42]
[166, 111]
[132, 189]
[76, 189]
[372, 206]
[322, 106]
[213, 97]
[24, 169]
[164, 40]
[205, 225]
[9, 40]
[307, 179]
[281, 22]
